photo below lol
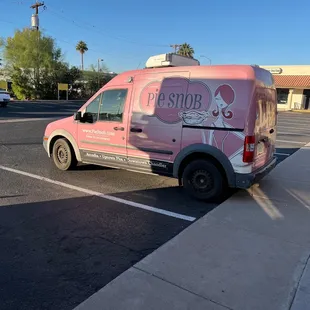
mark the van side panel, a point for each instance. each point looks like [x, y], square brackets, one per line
[155, 128]
[224, 123]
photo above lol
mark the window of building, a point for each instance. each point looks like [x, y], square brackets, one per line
[112, 105]
[93, 107]
[282, 94]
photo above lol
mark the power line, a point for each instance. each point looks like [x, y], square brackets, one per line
[94, 28]
[72, 44]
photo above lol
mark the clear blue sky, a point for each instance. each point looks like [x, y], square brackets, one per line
[125, 33]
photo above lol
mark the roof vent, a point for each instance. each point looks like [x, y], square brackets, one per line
[170, 60]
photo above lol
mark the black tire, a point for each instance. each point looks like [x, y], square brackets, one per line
[203, 181]
[63, 155]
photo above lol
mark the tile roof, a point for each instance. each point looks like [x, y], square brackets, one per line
[292, 81]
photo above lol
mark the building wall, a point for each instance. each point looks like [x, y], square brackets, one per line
[296, 99]
[291, 70]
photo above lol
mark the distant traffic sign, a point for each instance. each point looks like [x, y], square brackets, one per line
[62, 86]
[3, 84]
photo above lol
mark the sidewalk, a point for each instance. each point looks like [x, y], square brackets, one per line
[250, 253]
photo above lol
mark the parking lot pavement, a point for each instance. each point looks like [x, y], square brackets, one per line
[33, 110]
[293, 132]
[67, 234]
[59, 246]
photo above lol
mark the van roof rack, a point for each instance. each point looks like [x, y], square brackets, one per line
[170, 60]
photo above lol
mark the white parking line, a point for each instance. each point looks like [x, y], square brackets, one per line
[293, 134]
[282, 154]
[17, 120]
[108, 197]
[295, 127]
[293, 142]
[294, 121]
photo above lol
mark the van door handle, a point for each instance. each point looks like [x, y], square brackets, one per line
[119, 128]
[136, 130]
[271, 131]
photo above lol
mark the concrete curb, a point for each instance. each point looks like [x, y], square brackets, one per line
[301, 297]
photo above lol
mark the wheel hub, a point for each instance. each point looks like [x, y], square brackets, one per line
[202, 181]
[62, 155]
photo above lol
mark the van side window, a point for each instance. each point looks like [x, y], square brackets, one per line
[93, 107]
[112, 105]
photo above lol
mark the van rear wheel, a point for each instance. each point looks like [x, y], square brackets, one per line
[63, 155]
[203, 180]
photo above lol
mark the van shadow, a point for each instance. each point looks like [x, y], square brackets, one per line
[283, 153]
[91, 167]
[57, 253]
[162, 193]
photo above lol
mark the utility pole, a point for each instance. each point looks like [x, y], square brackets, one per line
[35, 17]
[35, 26]
[99, 59]
[175, 46]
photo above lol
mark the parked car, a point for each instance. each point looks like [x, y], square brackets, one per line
[4, 97]
[211, 127]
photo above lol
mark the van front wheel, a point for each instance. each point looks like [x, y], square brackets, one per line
[203, 180]
[63, 155]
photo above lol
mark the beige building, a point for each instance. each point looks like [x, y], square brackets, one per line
[293, 86]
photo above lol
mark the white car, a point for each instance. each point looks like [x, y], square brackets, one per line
[4, 98]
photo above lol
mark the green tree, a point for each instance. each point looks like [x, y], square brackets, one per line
[31, 60]
[94, 80]
[36, 65]
[82, 48]
[186, 50]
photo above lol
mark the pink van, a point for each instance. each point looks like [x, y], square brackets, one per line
[211, 127]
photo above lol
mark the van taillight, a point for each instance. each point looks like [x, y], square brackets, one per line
[249, 149]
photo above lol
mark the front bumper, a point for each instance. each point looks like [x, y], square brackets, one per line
[247, 180]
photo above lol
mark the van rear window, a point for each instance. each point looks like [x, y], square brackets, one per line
[267, 113]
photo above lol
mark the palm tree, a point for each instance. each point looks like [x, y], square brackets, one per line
[186, 50]
[82, 48]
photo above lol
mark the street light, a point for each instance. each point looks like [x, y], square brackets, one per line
[203, 56]
[99, 60]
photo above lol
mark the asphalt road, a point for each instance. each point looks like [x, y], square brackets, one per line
[60, 244]
[293, 132]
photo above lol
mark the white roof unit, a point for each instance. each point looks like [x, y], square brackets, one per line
[170, 60]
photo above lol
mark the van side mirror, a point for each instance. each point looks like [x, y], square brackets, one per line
[77, 116]
[88, 118]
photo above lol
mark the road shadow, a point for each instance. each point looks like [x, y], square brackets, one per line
[56, 253]
[168, 195]
[283, 153]
[27, 109]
